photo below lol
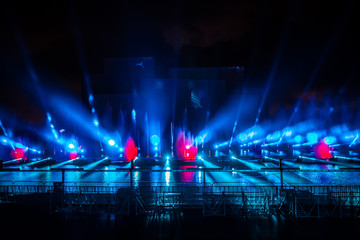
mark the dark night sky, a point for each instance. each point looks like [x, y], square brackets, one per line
[57, 39]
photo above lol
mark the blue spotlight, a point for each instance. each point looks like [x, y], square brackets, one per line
[48, 116]
[19, 145]
[133, 113]
[91, 98]
[243, 137]
[276, 135]
[268, 137]
[251, 134]
[71, 146]
[156, 148]
[199, 139]
[339, 129]
[330, 140]
[121, 149]
[155, 140]
[312, 137]
[288, 133]
[349, 136]
[55, 134]
[298, 139]
[96, 122]
[111, 142]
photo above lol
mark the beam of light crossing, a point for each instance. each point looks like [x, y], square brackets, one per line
[5, 133]
[322, 60]
[63, 163]
[250, 165]
[294, 165]
[328, 161]
[38, 161]
[218, 177]
[346, 158]
[12, 160]
[290, 178]
[13, 144]
[258, 178]
[274, 67]
[232, 134]
[94, 164]
[51, 124]
[353, 142]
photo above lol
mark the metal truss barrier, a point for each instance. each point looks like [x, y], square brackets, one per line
[244, 201]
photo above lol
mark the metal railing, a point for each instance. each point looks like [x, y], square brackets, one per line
[216, 198]
[297, 201]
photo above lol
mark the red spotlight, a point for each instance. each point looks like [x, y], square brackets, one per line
[72, 155]
[18, 153]
[185, 148]
[130, 151]
[322, 150]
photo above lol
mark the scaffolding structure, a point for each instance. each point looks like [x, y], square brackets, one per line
[243, 201]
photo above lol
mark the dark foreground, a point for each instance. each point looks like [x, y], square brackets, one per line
[22, 222]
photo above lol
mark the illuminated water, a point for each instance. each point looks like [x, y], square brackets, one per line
[143, 176]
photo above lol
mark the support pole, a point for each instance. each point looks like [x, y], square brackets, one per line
[63, 176]
[204, 178]
[131, 174]
[281, 174]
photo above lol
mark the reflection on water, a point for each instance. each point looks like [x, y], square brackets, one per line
[139, 177]
[167, 177]
[155, 177]
[136, 178]
[187, 177]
